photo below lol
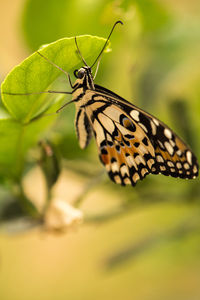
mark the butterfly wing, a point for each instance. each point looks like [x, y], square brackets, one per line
[133, 143]
[83, 128]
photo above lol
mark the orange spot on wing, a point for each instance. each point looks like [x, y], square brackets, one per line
[105, 159]
[127, 123]
[180, 144]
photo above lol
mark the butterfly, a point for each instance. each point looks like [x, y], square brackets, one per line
[131, 142]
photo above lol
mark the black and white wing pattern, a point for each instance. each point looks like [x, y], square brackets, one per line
[133, 143]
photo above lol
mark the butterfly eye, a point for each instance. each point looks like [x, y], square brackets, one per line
[80, 73]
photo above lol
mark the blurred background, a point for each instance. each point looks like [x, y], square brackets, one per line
[135, 243]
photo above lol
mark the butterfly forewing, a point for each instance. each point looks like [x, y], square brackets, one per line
[132, 143]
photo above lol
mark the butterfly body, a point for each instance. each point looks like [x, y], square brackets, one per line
[131, 142]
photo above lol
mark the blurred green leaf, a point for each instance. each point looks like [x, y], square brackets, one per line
[49, 162]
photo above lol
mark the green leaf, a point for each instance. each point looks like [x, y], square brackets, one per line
[35, 74]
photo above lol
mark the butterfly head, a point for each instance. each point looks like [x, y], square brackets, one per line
[82, 72]
[84, 78]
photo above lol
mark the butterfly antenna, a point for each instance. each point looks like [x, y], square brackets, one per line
[79, 52]
[97, 68]
[118, 22]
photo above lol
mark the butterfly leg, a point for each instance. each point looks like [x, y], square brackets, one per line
[59, 68]
[37, 93]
